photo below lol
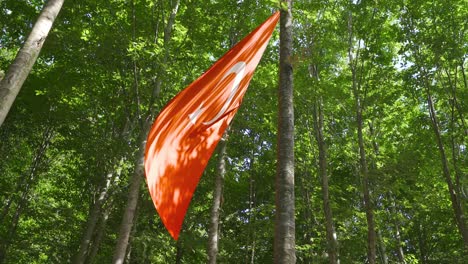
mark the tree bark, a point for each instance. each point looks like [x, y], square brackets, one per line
[250, 257]
[98, 237]
[455, 105]
[19, 70]
[26, 184]
[132, 202]
[383, 248]
[284, 242]
[252, 234]
[129, 215]
[422, 244]
[400, 252]
[371, 235]
[92, 221]
[179, 252]
[213, 233]
[459, 216]
[332, 247]
[364, 170]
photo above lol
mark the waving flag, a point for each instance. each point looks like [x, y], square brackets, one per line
[187, 130]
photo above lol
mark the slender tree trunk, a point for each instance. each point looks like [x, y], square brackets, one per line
[251, 252]
[213, 234]
[307, 192]
[179, 252]
[250, 257]
[284, 242]
[26, 184]
[129, 215]
[364, 170]
[303, 184]
[422, 244]
[399, 243]
[19, 70]
[371, 234]
[133, 194]
[455, 105]
[23, 183]
[383, 248]
[93, 218]
[459, 216]
[332, 247]
[400, 252]
[98, 237]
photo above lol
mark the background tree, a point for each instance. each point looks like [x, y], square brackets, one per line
[69, 146]
[11, 83]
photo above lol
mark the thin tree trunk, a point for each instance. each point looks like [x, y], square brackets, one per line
[371, 235]
[452, 84]
[332, 247]
[383, 248]
[393, 211]
[459, 217]
[251, 231]
[400, 252]
[92, 221]
[133, 194]
[308, 213]
[364, 170]
[311, 220]
[19, 70]
[99, 235]
[26, 184]
[252, 252]
[250, 258]
[457, 172]
[179, 252]
[129, 215]
[422, 244]
[23, 183]
[284, 242]
[213, 234]
[462, 69]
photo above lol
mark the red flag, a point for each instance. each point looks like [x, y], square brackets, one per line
[187, 130]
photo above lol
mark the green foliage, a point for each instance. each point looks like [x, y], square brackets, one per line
[95, 80]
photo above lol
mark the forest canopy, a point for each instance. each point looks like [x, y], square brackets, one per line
[380, 132]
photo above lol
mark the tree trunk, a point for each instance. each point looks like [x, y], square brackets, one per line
[332, 247]
[400, 253]
[179, 252]
[422, 244]
[129, 215]
[364, 170]
[133, 195]
[383, 248]
[213, 234]
[98, 238]
[250, 257]
[399, 243]
[25, 185]
[92, 221]
[19, 70]
[459, 216]
[455, 105]
[371, 235]
[284, 242]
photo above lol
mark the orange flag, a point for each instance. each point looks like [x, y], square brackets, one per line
[187, 130]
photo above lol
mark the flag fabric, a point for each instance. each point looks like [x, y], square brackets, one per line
[187, 130]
